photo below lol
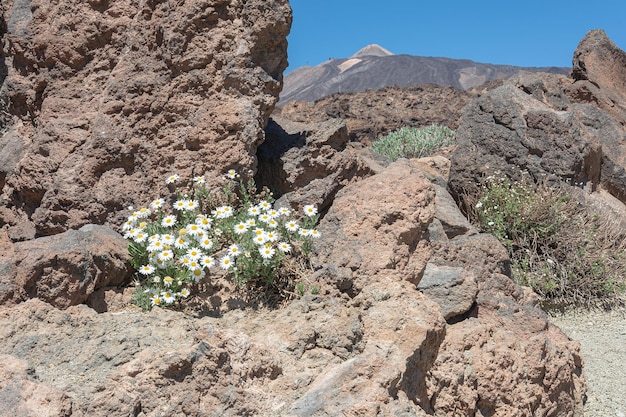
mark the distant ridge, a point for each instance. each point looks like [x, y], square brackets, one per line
[374, 67]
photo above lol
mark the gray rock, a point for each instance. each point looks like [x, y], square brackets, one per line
[453, 288]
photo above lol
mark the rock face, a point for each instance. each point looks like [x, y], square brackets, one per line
[310, 162]
[551, 126]
[106, 98]
[65, 269]
[372, 114]
[370, 343]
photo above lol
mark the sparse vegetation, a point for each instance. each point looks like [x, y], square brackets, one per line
[410, 142]
[567, 253]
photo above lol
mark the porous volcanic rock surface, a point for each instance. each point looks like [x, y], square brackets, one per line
[555, 127]
[370, 343]
[105, 98]
[416, 313]
[374, 113]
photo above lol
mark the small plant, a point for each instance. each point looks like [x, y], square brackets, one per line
[568, 254]
[410, 142]
[240, 232]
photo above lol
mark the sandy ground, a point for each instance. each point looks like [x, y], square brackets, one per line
[602, 337]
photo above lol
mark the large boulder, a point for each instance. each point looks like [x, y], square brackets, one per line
[106, 98]
[64, 269]
[555, 127]
[309, 163]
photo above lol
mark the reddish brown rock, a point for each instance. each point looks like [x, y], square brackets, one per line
[383, 220]
[21, 394]
[64, 269]
[599, 71]
[372, 114]
[109, 97]
[308, 163]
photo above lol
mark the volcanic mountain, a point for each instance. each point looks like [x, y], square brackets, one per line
[375, 67]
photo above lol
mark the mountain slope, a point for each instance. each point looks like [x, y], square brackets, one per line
[374, 67]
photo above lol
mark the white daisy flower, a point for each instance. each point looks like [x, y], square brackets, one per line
[156, 279]
[284, 247]
[234, 250]
[205, 243]
[143, 212]
[223, 212]
[207, 261]
[226, 262]
[172, 179]
[273, 224]
[168, 297]
[251, 223]
[193, 265]
[132, 233]
[310, 210]
[254, 211]
[197, 275]
[265, 218]
[180, 205]
[168, 281]
[141, 237]
[241, 228]
[167, 239]
[155, 246]
[166, 255]
[273, 213]
[292, 226]
[284, 211]
[260, 239]
[267, 252]
[232, 174]
[194, 254]
[168, 221]
[314, 233]
[191, 205]
[193, 229]
[204, 221]
[184, 292]
[156, 300]
[264, 205]
[199, 179]
[185, 261]
[161, 264]
[181, 243]
[128, 224]
[157, 204]
[304, 232]
[271, 236]
[146, 270]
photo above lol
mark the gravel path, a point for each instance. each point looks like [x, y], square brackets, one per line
[602, 337]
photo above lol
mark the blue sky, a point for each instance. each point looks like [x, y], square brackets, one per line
[529, 33]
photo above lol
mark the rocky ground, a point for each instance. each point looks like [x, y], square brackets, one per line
[602, 336]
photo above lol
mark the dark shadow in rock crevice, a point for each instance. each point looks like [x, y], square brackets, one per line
[270, 172]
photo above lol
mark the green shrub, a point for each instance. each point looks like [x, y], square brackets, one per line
[237, 232]
[409, 142]
[567, 253]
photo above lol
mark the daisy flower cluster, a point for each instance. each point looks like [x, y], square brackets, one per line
[174, 246]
